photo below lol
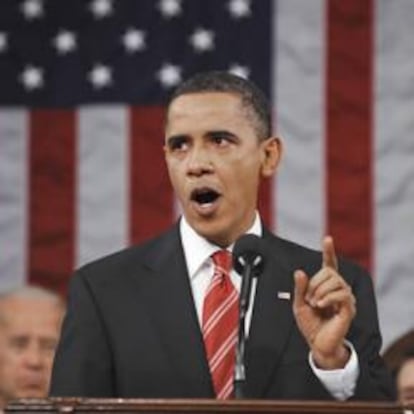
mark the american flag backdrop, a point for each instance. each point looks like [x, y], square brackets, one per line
[83, 84]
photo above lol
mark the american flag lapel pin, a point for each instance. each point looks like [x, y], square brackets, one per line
[283, 295]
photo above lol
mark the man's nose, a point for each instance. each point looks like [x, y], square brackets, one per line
[34, 356]
[199, 161]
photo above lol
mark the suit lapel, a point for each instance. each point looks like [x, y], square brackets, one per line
[272, 319]
[171, 304]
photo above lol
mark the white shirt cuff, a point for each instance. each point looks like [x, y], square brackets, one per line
[340, 383]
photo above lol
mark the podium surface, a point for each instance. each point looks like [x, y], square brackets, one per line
[200, 406]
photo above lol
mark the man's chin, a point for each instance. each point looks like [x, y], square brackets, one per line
[32, 392]
[212, 232]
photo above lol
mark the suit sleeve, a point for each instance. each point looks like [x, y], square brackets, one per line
[374, 381]
[82, 365]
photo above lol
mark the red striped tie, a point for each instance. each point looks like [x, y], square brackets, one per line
[220, 321]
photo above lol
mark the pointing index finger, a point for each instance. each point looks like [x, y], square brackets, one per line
[328, 253]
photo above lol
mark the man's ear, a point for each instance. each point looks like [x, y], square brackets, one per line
[272, 149]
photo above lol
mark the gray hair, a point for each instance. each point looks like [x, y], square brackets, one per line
[33, 292]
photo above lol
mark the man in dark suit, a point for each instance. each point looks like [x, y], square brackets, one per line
[134, 326]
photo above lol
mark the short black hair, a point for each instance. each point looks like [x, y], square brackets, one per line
[252, 98]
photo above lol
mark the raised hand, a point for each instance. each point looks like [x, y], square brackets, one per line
[324, 307]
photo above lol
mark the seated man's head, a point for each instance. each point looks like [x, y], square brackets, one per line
[30, 320]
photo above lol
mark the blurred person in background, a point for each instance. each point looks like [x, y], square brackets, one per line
[30, 321]
[399, 358]
[405, 379]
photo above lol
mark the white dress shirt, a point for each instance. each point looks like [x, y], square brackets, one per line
[197, 251]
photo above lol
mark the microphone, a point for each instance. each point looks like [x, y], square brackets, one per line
[248, 261]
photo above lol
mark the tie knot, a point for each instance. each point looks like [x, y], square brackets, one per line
[223, 260]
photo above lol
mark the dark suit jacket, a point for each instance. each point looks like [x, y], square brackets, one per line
[131, 329]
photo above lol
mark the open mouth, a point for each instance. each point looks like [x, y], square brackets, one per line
[204, 196]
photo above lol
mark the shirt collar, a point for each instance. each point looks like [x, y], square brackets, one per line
[197, 249]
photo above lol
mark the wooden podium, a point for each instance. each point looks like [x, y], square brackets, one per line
[161, 406]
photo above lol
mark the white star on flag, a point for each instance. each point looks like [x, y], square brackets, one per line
[101, 8]
[32, 9]
[65, 42]
[239, 8]
[202, 40]
[32, 78]
[134, 40]
[100, 76]
[239, 70]
[169, 75]
[170, 8]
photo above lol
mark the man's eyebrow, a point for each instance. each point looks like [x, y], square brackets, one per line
[19, 337]
[176, 138]
[179, 138]
[220, 133]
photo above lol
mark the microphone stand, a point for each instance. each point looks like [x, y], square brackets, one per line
[239, 368]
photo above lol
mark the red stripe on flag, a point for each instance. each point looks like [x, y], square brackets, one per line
[52, 195]
[151, 194]
[349, 127]
[265, 203]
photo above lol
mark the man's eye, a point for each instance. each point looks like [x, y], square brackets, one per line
[48, 345]
[220, 140]
[18, 343]
[178, 144]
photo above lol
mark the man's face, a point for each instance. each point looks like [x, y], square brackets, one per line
[29, 330]
[215, 161]
[405, 382]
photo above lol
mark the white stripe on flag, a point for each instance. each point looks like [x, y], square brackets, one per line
[298, 95]
[394, 167]
[14, 156]
[103, 181]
